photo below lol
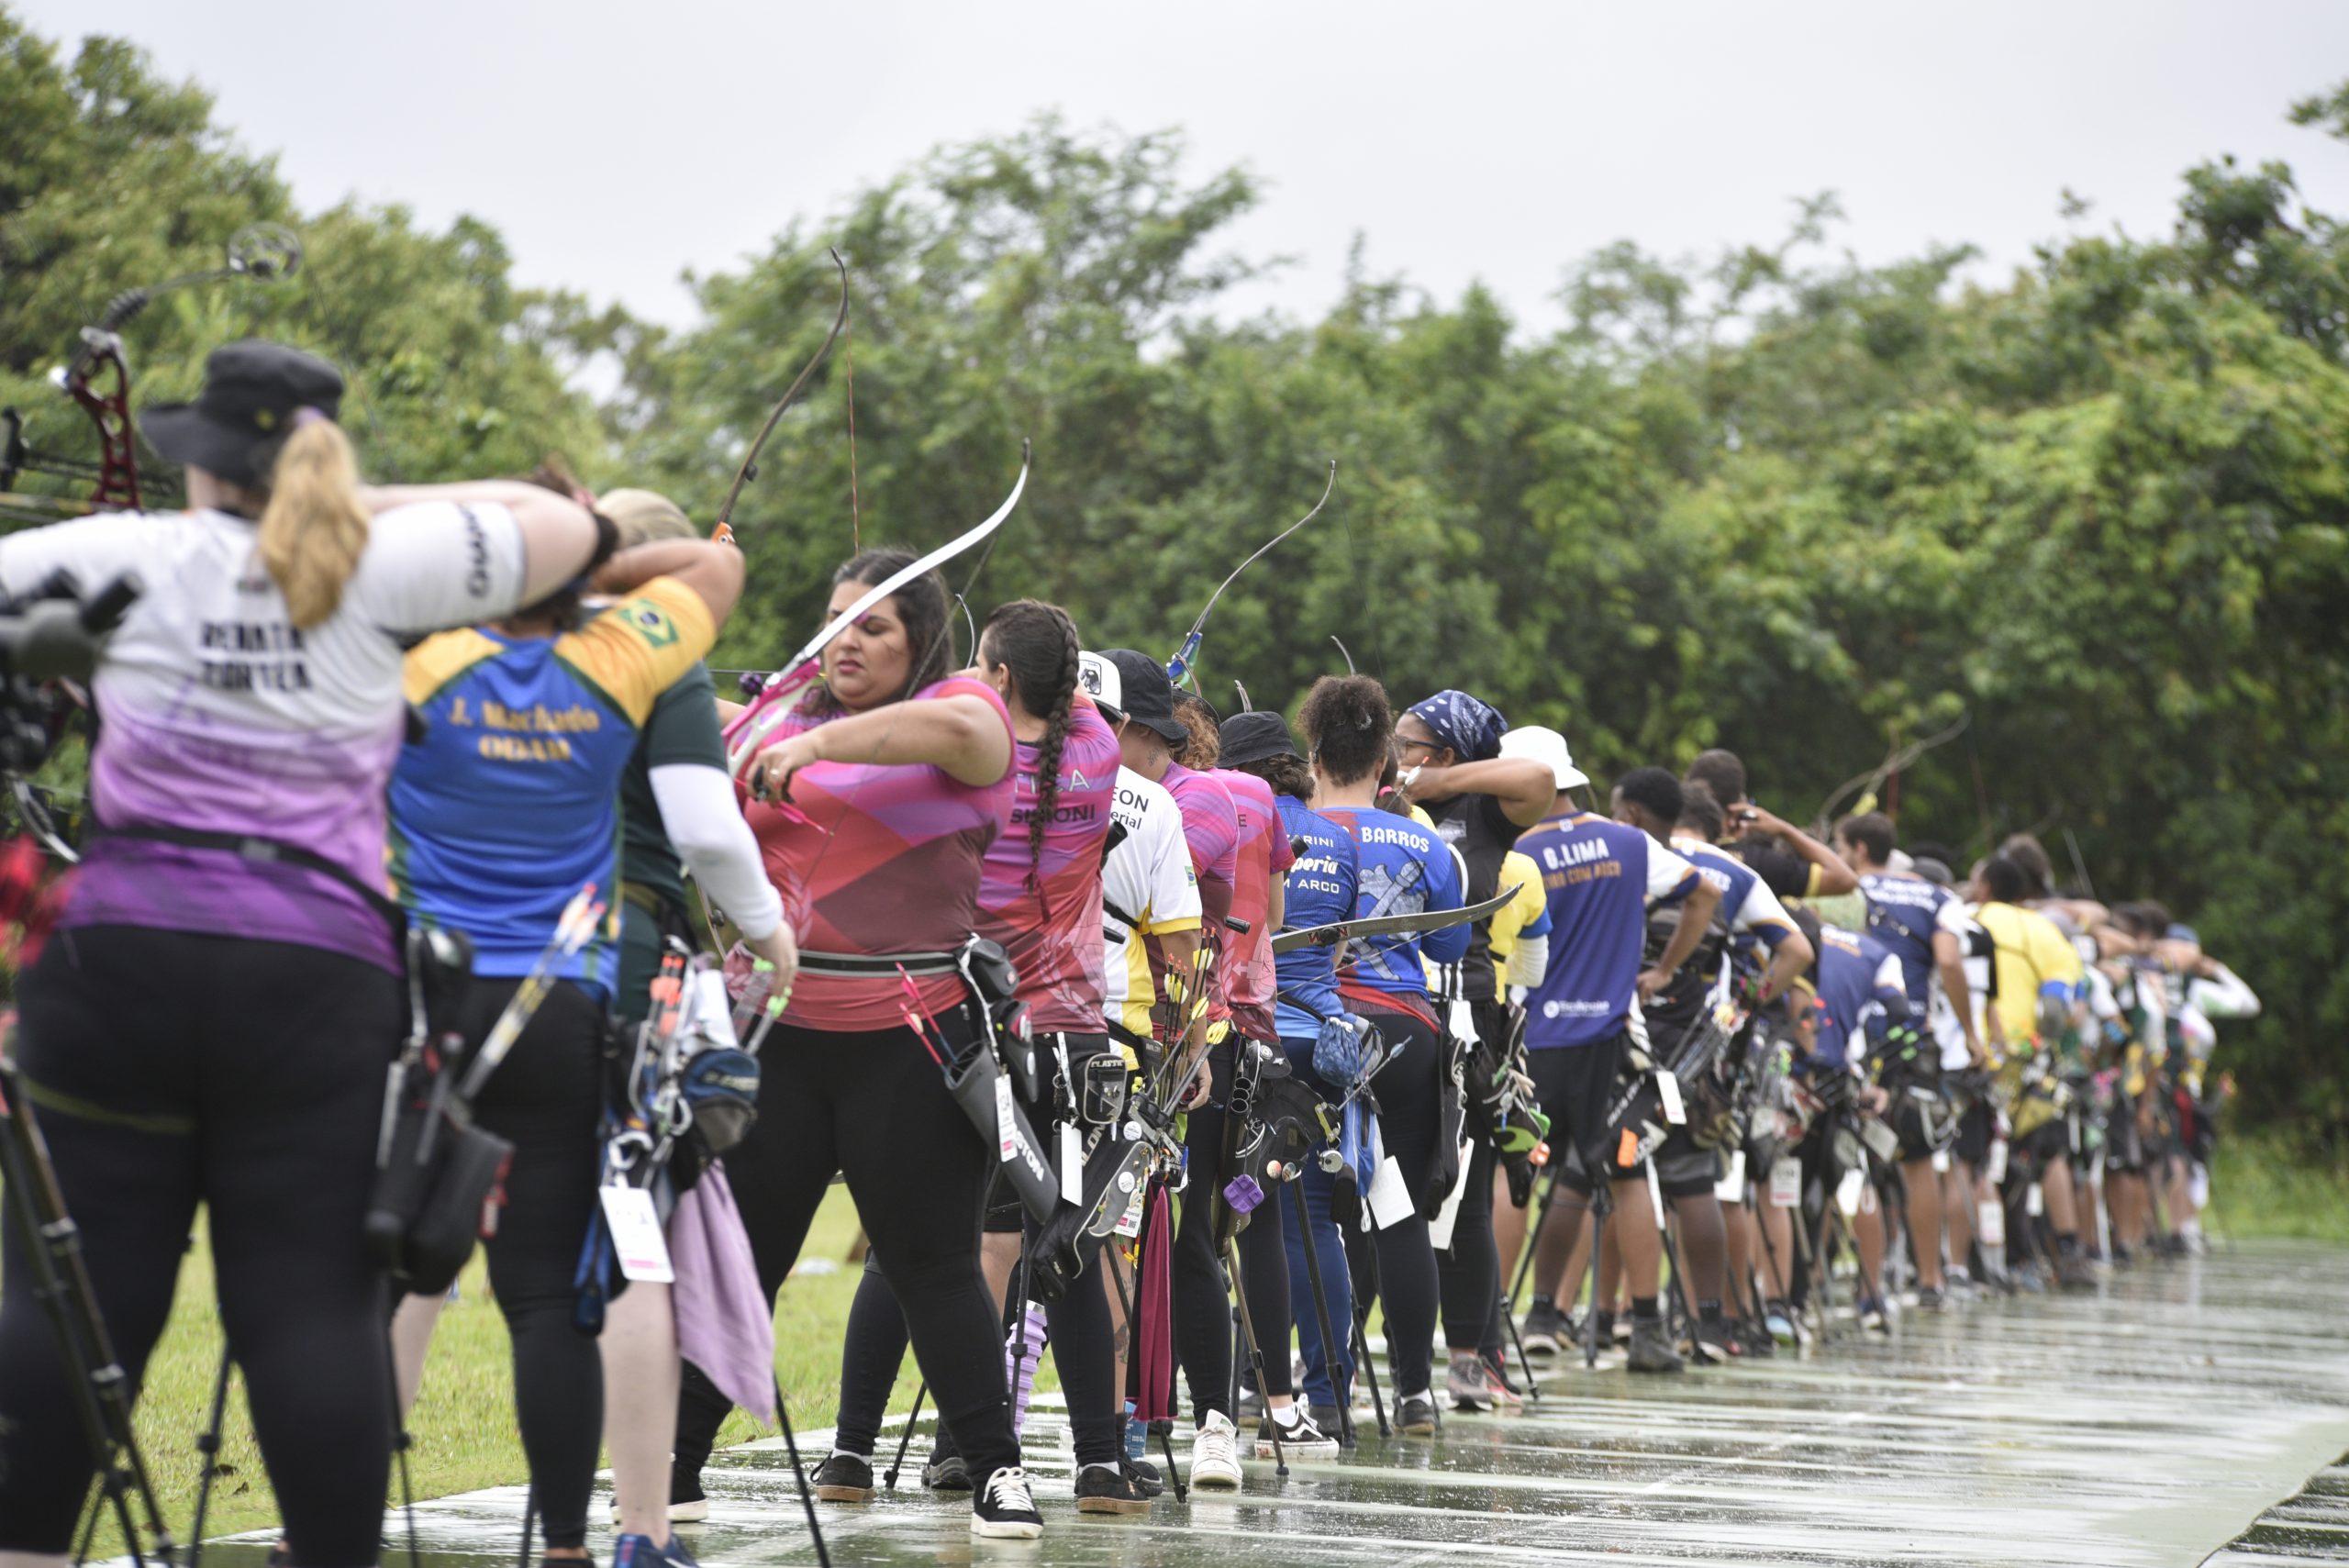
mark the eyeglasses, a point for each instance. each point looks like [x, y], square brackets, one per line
[1404, 743]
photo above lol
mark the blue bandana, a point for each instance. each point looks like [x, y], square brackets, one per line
[1471, 726]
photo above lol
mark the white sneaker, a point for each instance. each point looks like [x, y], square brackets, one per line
[1214, 1455]
[1004, 1509]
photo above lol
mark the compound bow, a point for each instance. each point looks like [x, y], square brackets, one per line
[99, 379]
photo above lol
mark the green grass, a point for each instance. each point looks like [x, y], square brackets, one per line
[463, 1423]
[2267, 1184]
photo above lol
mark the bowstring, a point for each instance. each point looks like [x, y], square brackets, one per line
[855, 513]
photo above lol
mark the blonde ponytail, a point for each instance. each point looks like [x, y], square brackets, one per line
[313, 528]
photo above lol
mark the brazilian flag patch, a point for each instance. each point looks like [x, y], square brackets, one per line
[657, 629]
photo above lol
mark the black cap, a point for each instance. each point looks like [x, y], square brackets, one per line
[1146, 696]
[1254, 735]
[253, 390]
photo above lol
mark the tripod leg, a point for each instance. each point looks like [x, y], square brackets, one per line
[1333, 1354]
[1370, 1372]
[62, 1284]
[1671, 1262]
[1255, 1353]
[1532, 1241]
[1602, 1199]
[799, 1472]
[208, 1448]
[921, 1391]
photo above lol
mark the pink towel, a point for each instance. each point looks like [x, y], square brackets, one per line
[1155, 1305]
[724, 1325]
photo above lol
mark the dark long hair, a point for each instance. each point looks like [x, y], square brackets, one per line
[923, 606]
[1347, 723]
[1036, 644]
[1286, 773]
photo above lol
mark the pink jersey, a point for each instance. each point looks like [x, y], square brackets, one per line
[880, 860]
[1211, 831]
[1047, 914]
[1262, 855]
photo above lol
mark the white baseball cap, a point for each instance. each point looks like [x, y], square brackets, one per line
[1545, 746]
[1097, 678]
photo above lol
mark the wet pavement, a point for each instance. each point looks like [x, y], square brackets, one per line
[2152, 1424]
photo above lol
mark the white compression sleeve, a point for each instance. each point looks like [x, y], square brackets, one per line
[700, 814]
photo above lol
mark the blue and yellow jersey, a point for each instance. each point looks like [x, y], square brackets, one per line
[509, 805]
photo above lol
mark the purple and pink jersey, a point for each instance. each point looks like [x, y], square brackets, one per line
[1263, 853]
[223, 717]
[1211, 832]
[1048, 914]
[878, 860]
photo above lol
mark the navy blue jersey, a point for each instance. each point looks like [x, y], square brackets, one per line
[1861, 990]
[1404, 870]
[1903, 914]
[1321, 890]
[1598, 877]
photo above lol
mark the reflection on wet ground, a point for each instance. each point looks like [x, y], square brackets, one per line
[2150, 1424]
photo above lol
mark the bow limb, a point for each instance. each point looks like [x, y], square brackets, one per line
[1179, 668]
[751, 727]
[724, 529]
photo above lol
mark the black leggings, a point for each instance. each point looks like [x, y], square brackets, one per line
[1409, 1114]
[1202, 1311]
[872, 1106]
[170, 1069]
[1077, 1327]
[547, 1098]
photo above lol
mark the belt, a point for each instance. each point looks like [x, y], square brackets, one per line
[879, 965]
[652, 900]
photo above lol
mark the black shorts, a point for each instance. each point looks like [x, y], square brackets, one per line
[1006, 1216]
[1575, 1083]
[1683, 1169]
[1922, 1124]
[2044, 1146]
[1978, 1128]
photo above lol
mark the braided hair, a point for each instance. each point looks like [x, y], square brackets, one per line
[1036, 644]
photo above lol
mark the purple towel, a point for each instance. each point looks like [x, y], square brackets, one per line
[1155, 1305]
[724, 1325]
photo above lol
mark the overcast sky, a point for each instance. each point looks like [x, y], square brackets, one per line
[618, 144]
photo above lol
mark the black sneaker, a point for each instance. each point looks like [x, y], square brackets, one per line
[946, 1472]
[1544, 1327]
[1930, 1298]
[844, 1478]
[1144, 1474]
[1103, 1489]
[1717, 1335]
[1652, 1349]
[1005, 1510]
[1326, 1416]
[1754, 1339]
[1416, 1416]
[1307, 1436]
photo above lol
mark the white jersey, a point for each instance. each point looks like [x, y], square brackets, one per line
[1979, 956]
[221, 715]
[1148, 887]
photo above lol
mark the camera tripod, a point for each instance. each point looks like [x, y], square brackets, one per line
[62, 1284]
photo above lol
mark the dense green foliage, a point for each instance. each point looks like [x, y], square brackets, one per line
[1806, 509]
